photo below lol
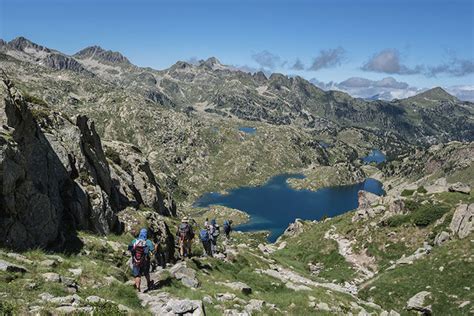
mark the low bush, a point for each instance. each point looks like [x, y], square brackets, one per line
[397, 220]
[33, 99]
[421, 190]
[7, 309]
[407, 192]
[428, 214]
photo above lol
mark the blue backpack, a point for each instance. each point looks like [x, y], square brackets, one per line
[204, 235]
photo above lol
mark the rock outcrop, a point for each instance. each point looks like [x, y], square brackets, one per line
[462, 222]
[460, 187]
[417, 303]
[55, 177]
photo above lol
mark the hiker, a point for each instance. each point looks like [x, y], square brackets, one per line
[185, 236]
[141, 249]
[206, 223]
[158, 258]
[227, 228]
[206, 241]
[213, 234]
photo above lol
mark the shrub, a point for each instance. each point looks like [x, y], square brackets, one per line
[7, 309]
[106, 309]
[113, 155]
[421, 190]
[428, 214]
[397, 220]
[411, 205]
[40, 114]
[33, 99]
[407, 192]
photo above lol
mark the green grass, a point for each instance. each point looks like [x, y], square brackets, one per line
[312, 247]
[395, 287]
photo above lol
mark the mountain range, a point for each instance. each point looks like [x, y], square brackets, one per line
[209, 87]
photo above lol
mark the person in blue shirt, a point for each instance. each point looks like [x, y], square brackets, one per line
[141, 249]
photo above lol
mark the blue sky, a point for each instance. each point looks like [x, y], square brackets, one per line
[423, 43]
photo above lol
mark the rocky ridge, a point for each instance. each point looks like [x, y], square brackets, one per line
[55, 175]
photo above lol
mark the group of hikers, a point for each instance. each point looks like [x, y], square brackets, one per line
[143, 250]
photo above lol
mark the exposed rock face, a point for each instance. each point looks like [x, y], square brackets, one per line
[462, 222]
[366, 199]
[294, 229]
[58, 61]
[54, 177]
[460, 187]
[365, 209]
[139, 185]
[98, 53]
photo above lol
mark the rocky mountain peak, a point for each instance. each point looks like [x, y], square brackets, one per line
[436, 94]
[260, 76]
[212, 63]
[21, 43]
[98, 53]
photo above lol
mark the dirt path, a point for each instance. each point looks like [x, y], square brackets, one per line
[363, 263]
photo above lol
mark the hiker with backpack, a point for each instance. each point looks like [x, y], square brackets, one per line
[141, 249]
[206, 241]
[185, 236]
[227, 228]
[213, 234]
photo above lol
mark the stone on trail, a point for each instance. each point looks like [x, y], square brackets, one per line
[10, 267]
[51, 277]
[417, 303]
[323, 307]
[65, 310]
[234, 312]
[254, 305]
[187, 275]
[225, 297]
[163, 304]
[48, 263]
[19, 257]
[95, 299]
[76, 272]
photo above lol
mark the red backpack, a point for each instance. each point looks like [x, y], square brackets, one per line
[139, 252]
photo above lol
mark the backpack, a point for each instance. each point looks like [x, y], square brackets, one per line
[184, 231]
[140, 252]
[215, 232]
[226, 226]
[204, 235]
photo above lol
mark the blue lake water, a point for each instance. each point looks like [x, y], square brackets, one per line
[374, 156]
[274, 205]
[248, 130]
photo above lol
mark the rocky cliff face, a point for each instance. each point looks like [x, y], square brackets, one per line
[55, 177]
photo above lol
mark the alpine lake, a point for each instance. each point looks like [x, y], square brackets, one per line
[274, 205]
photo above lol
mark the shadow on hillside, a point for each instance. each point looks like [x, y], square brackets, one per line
[46, 200]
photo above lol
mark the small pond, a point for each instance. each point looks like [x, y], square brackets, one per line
[248, 130]
[374, 156]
